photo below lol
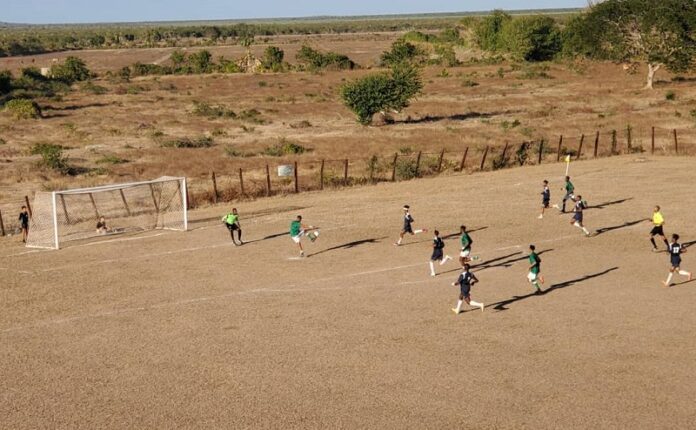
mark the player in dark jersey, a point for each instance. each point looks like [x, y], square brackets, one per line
[465, 281]
[569, 189]
[578, 209]
[407, 228]
[534, 275]
[675, 250]
[545, 198]
[438, 253]
[24, 223]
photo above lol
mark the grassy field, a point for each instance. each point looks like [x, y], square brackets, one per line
[172, 329]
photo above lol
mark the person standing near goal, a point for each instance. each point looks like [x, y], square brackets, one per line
[407, 228]
[545, 198]
[24, 223]
[438, 253]
[465, 281]
[298, 230]
[569, 189]
[675, 250]
[231, 221]
[658, 222]
[578, 209]
[534, 275]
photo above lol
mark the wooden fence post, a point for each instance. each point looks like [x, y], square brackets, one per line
[125, 203]
[614, 143]
[2, 225]
[483, 160]
[418, 160]
[65, 208]
[541, 150]
[504, 154]
[676, 142]
[321, 176]
[297, 183]
[461, 166]
[396, 156]
[596, 144]
[189, 199]
[582, 140]
[215, 190]
[241, 181]
[345, 172]
[629, 141]
[560, 144]
[26, 203]
[652, 146]
[268, 181]
[439, 163]
[96, 211]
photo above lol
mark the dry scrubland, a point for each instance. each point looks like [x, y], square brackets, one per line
[185, 330]
[472, 105]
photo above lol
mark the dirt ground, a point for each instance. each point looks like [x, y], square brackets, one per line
[184, 330]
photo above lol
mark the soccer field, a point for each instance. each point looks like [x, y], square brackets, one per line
[184, 330]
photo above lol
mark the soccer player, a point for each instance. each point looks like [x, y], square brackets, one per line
[408, 220]
[465, 254]
[438, 253]
[675, 251]
[658, 222]
[569, 189]
[297, 230]
[24, 223]
[231, 221]
[577, 215]
[545, 198]
[465, 281]
[534, 275]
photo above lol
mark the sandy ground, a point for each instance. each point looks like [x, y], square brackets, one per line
[184, 330]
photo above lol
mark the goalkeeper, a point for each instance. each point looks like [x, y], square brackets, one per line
[231, 220]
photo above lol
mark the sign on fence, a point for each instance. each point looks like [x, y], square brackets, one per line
[286, 170]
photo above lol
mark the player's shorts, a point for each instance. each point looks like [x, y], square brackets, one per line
[577, 216]
[232, 227]
[676, 261]
[407, 229]
[298, 238]
[25, 226]
[545, 203]
[437, 255]
[657, 230]
[465, 253]
[569, 196]
[532, 276]
[465, 290]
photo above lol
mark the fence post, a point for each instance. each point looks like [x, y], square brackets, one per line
[96, 211]
[321, 176]
[439, 163]
[2, 225]
[189, 200]
[676, 142]
[418, 159]
[26, 202]
[65, 208]
[560, 144]
[614, 142]
[483, 160]
[268, 181]
[393, 178]
[596, 144]
[215, 190]
[541, 150]
[241, 181]
[461, 166]
[297, 184]
[372, 169]
[628, 138]
[502, 156]
[345, 172]
[652, 146]
[582, 140]
[125, 203]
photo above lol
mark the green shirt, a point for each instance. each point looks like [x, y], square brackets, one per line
[231, 219]
[534, 259]
[295, 228]
[466, 241]
[569, 187]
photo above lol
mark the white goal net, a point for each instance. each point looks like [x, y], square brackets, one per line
[61, 216]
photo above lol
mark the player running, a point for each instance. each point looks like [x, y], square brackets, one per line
[580, 205]
[658, 222]
[465, 281]
[675, 251]
[569, 189]
[467, 241]
[438, 253]
[545, 198]
[297, 230]
[231, 221]
[534, 275]
[407, 228]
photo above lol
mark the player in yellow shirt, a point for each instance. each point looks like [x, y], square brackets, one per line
[658, 222]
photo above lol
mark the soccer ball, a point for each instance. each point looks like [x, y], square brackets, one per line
[313, 235]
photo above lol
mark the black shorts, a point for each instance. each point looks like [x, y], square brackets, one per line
[465, 290]
[407, 229]
[676, 261]
[232, 227]
[25, 227]
[545, 203]
[577, 216]
[437, 255]
[657, 231]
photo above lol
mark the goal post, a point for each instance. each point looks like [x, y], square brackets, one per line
[62, 216]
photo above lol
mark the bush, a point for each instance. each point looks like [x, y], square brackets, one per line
[285, 147]
[212, 111]
[671, 96]
[92, 88]
[185, 142]
[23, 109]
[402, 52]
[251, 115]
[273, 59]
[487, 32]
[111, 159]
[72, 70]
[5, 82]
[406, 168]
[51, 156]
[315, 60]
[531, 38]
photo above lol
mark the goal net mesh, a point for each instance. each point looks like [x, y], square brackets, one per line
[61, 216]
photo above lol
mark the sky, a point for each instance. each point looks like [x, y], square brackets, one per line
[92, 11]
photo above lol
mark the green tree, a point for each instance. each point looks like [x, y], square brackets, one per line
[402, 51]
[381, 92]
[5, 82]
[273, 58]
[658, 33]
[487, 31]
[72, 70]
[531, 38]
[178, 58]
[201, 62]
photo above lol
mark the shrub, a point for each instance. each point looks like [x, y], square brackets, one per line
[406, 168]
[315, 60]
[671, 96]
[301, 124]
[487, 32]
[469, 83]
[212, 111]
[5, 82]
[273, 59]
[446, 56]
[92, 88]
[23, 109]
[531, 38]
[201, 62]
[111, 159]
[285, 147]
[72, 70]
[51, 156]
[251, 115]
[402, 52]
[186, 142]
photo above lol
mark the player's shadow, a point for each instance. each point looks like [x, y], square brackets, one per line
[350, 245]
[449, 236]
[270, 236]
[615, 202]
[504, 261]
[502, 305]
[617, 227]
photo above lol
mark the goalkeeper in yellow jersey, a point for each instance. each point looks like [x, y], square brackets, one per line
[231, 221]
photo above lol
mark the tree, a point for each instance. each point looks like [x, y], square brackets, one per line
[380, 92]
[5, 82]
[487, 32]
[661, 34]
[200, 61]
[273, 58]
[72, 70]
[531, 38]
[402, 51]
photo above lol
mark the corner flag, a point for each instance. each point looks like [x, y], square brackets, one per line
[567, 160]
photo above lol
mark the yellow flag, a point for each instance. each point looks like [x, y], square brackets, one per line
[567, 159]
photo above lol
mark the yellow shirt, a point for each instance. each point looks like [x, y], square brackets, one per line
[657, 219]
